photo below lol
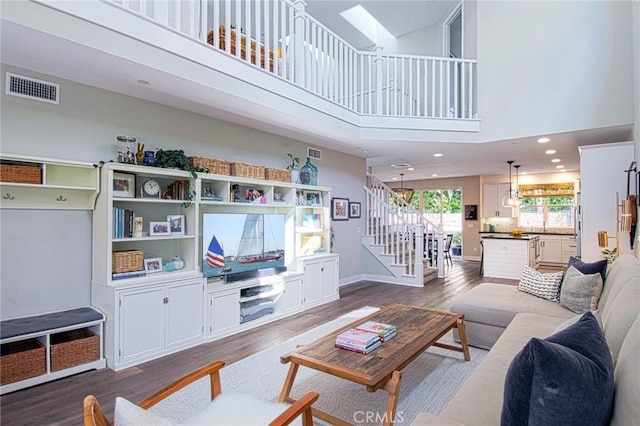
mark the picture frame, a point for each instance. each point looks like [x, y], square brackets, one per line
[355, 209]
[124, 185]
[159, 228]
[278, 197]
[153, 265]
[339, 208]
[299, 198]
[470, 212]
[312, 198]
[176, 224]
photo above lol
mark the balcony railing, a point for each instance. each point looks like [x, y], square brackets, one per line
[279, 37]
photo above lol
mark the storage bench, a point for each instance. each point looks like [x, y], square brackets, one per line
[40, 348]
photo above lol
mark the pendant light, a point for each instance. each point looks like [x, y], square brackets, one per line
[516, 192]
[508, 200]
[405, 193]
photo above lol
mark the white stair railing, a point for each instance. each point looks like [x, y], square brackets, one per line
[390, 218]
[279, 37]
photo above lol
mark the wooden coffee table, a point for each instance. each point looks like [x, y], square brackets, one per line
[417, 330]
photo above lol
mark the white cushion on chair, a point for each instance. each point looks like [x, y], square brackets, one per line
[228, 409]
[237, 409]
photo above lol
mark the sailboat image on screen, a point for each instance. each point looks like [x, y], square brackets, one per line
[235, 243]
[215, 255]
[252, 248]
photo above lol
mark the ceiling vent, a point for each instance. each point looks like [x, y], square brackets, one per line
[314, 153]
[401, 165]
[31, 88]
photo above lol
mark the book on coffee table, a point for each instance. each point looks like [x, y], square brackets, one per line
[358, 340]
[384, 331]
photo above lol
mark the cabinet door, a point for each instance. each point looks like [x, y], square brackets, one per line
[141, 323]
[329, 279]
[501, 189]
[292, 295]
[551, 250]
[569, 248]
[490, 201]
[224, 311]
[185, 312]
[312, 282]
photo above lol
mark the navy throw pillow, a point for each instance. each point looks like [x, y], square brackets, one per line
[589, 268]
[565, 379]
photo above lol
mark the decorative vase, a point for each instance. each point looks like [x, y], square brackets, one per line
[149, 158]
[295, 175]
[126, 149]
[309, 173]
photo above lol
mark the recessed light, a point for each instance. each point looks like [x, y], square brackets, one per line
[550, 151]
[394, 178]
[143, 82]
[411, 169]
[560, 166]
[556, 160]
[543, 140]
[562, 170]
[437, 154]
[514, 143]
[434, 175]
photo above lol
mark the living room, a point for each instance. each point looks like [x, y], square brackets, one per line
[83, 128]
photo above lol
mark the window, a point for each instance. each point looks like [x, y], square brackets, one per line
[547, 212]
[445, 205]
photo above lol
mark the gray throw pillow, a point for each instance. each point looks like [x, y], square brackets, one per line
[580, 292]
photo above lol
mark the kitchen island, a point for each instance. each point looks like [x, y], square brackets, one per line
[505, 255]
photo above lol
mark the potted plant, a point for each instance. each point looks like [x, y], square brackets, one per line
[294, 163]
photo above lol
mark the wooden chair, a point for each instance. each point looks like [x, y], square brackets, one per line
[94, 416]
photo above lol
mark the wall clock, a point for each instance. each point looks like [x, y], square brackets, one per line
[150, 189]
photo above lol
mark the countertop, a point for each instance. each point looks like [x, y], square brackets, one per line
[570, 234]
[505, 236]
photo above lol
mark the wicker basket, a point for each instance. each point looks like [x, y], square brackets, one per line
[74, 347]
[21, 360]
[127, 261]
[247, 170]
[279, 175]
[215, 166]
[21, 173]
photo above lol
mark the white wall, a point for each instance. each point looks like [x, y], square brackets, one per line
[553, 66]
[602, 175]
[84, 127]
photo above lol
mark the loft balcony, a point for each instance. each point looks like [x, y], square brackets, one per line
[270, 61]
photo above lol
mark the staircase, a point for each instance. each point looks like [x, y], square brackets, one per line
[395, 236]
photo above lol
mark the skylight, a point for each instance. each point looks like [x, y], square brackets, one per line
[364, 22]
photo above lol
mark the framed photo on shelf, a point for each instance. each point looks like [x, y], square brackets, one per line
[278, 197]
[153, 265]
[340, 208]
[313, 198]
[124, 185]
[299, 198]
[354, 209]
[176, 224]
[159, 228]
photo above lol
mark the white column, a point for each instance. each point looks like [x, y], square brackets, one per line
[298, 40]
[378, 61]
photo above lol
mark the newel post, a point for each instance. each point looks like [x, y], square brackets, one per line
[378, 62]
[298, 40]
[440, 260]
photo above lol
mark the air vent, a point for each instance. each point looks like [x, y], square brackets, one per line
[27, 87]
[401, 165]
[314, 153]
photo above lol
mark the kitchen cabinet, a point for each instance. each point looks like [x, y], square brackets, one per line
[550, 248]
[569, 247]
[492, 201]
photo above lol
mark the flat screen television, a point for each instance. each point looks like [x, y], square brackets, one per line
[239, 246]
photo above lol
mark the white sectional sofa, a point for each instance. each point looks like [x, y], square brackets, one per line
[480, 400]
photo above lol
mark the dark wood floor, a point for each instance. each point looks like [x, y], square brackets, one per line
[60, 401]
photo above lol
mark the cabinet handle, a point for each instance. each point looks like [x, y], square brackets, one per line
[165, 300]
[61, 198]
[8, 196]
[321, 269]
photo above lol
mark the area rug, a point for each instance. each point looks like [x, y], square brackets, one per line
[428, 383]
